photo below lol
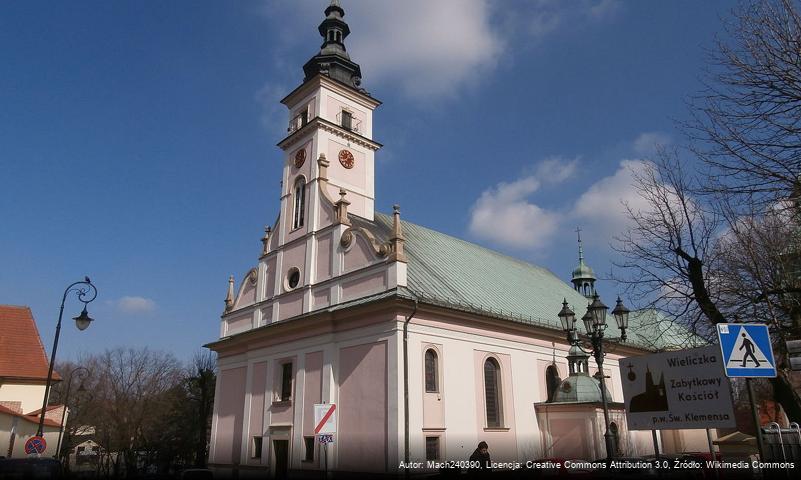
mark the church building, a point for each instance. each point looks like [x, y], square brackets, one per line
[426, 344]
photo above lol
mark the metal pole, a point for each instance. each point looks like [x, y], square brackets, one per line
[63, 416]
[50, 368]
[599, 359]
[656, 442]
[709, 442]
[755, 412]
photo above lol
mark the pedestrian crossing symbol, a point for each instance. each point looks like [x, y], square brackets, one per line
[746, 350]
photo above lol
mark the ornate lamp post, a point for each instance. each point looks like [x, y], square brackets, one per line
[67, 401]
[86, 292]
[595, 324]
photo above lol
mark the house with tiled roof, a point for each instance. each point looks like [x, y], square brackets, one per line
[426, 344]
[23, 375]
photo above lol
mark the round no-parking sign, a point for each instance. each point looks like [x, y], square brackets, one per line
[35, 445]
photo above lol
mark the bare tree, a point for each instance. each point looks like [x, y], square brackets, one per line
[747, 123]
[130, 391]
[665, 256]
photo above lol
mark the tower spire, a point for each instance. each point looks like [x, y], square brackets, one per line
[583, 277]
[333, 59]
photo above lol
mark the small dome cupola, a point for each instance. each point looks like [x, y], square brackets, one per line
[579, 386]
[583, 278]
[333, 60]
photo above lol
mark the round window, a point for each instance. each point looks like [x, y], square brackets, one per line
[293, 278]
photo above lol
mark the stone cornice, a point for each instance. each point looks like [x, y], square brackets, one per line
[320, 80]
[330, 127]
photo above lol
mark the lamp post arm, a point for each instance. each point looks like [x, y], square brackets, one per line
[82, 294]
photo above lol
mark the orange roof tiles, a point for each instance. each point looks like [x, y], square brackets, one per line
[22, 355]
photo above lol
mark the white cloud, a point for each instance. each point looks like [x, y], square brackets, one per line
[135, 305]
[602, 208]
[646, 143]
[604, 9]
[505, 215]
[430, 48]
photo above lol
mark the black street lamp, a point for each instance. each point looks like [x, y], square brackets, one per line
[595, 324]
[86, 292]
[67, 401]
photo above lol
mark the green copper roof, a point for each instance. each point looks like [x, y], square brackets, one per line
[579, 388]
[451, 272]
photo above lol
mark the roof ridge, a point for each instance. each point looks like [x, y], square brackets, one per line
[472, 244]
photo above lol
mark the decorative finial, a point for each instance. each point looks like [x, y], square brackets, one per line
[581, 250]
[229, 299]
[342, 208]
[396, 240]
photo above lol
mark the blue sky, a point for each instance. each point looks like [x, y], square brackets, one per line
[138, 138]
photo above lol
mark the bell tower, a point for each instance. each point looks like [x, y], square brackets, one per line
[329, 153]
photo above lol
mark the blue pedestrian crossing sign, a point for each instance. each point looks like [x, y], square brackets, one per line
[746, 350]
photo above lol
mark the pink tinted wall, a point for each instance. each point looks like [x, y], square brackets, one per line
[323, 258]
[258, 385]
[230, 406]
[291, 305]
[374, 283]
[570, 439]
[294, 256]
[362, 408]
[269, 289]
[248, 296]
[312, 389]
[359, 255]
[321, 298]
[355, 176]
[239, 324]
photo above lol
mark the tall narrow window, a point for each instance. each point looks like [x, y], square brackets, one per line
[300, 203]
[286, 381]
[492, 392]
[257, 443]
[309, 454]
[432, 448]
[347, 120]
[432, 383]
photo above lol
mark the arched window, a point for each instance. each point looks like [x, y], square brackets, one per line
[492, 392]
[300, 203]
[432, 371]
[552, 381]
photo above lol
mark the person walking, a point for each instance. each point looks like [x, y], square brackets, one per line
[748, 345]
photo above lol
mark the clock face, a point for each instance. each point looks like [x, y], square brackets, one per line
[300, 157]
[346, 159]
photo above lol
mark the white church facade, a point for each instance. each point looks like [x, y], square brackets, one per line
[427, 344]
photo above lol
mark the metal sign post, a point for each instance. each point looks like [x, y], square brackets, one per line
[747, 353]
[755, 412]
